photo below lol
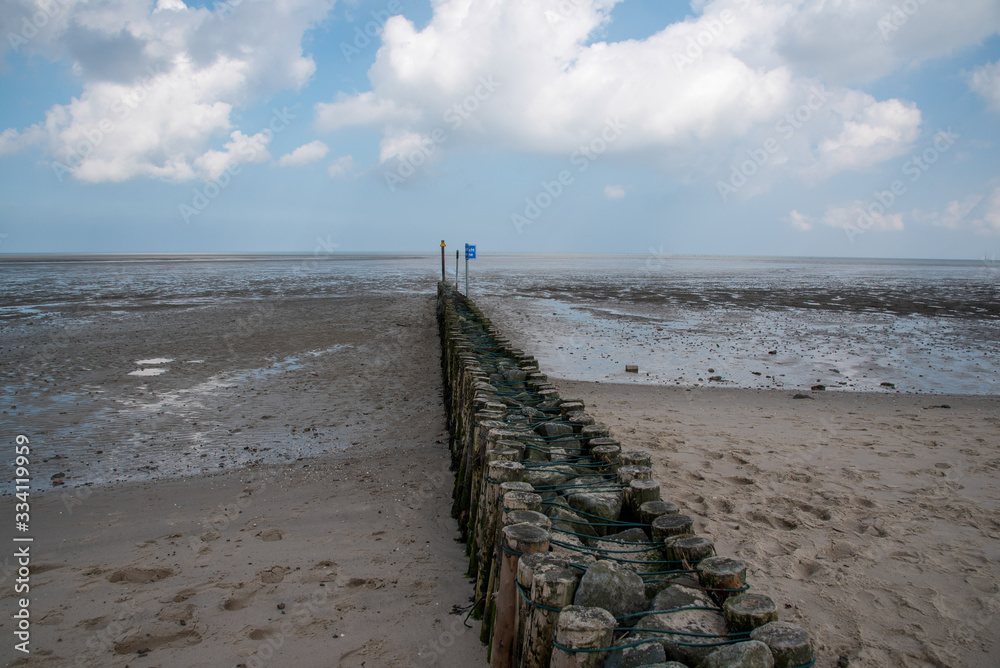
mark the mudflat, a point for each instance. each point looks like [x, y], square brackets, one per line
[278, 495]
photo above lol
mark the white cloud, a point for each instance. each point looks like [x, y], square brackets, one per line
[173, 5]
[303, 155]
[860, 216]
[800, 221]
[160, 85]
[953, 216]
[340, 167]
[985, 80]
[614, 192]
[976, 212]
[12, 141]
[988, 221]
[688, 94]
[872, 132]
[239, 149]
[363, 109]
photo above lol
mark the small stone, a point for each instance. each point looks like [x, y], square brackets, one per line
[611, 587]
[631, 368]
[707, 624]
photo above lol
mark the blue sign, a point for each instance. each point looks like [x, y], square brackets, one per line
[470, 251]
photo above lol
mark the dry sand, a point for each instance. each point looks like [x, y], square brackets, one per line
[871, 519]
[345, 557]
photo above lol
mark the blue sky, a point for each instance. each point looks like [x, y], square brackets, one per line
[752, 127]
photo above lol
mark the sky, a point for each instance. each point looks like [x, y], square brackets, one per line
[846, 128]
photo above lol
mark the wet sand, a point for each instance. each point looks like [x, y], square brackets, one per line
[335, 547]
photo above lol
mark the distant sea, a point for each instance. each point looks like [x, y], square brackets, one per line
[849, 324]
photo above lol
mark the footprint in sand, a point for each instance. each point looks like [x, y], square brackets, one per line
[261, 634]
[366, 583]
[273, 575]
[234, 603]
[140, 575]
[151, 641]
[323, 571]
[270, 535]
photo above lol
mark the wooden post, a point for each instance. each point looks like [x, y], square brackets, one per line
[521, 500]
[605, 453]
[666, 526]
[529, 566]
[789, 643]
[650, 510]
[629, 472]
[551, 588]
[746, 612]
[718, 574]
[526, 517]
[498, 473]
[636, 458]
[582, 628]
[637, 493]
[517, 539]
[688, 550]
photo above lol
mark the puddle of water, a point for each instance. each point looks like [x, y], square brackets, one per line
[147, 372]
[155, 360]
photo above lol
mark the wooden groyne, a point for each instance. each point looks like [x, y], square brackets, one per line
[578, 558]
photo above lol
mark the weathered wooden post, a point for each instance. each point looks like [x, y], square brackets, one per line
[550, 591]
[517, 540]
[722, 577]
[746, 612]
[688, 550]
[498, 473]
[650, 510]
[528, 567]
[666, 526]
[637, 493]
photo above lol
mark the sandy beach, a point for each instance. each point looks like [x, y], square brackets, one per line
[870, 519]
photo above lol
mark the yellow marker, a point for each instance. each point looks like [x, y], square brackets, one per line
[442, 243]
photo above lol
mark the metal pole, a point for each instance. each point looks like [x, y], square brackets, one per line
[456, 269]
[466, 274]
[443, 278]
